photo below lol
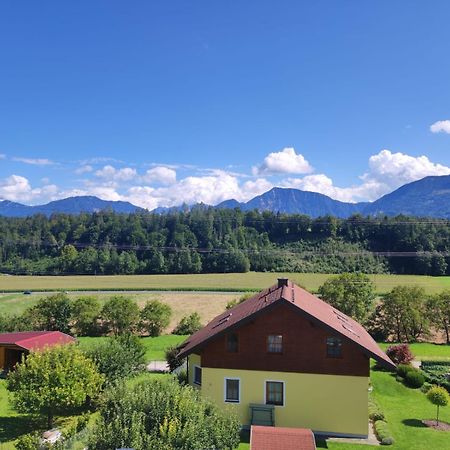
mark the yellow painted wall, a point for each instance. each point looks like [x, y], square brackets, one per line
[193, 360]
[326, 403]
[2, 357]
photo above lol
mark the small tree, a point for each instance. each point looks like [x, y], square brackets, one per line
[351, 293]
[188, 324]
[85, 313]
[173, 361]
[118, 357]
[237, 301]
[54, 380]
[439, 397]
[400, 354]
[405, 312]
[51, 313]
[121, 315]
[155, 317]
[439, 312]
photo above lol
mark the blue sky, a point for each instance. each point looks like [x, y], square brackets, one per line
[164, 102]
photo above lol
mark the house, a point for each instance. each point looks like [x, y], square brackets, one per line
[14, 345]
[286, 358]
[278, 438]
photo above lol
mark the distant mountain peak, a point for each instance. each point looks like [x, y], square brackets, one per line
[69, 205]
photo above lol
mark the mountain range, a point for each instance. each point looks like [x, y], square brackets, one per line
[428, 197]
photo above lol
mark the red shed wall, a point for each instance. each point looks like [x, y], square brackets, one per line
[304, 347]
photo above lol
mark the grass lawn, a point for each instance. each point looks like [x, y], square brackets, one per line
[12, 424]
[212, 282]
[426, 352]
[154, 346]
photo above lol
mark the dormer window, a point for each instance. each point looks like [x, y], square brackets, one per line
[275, 343]
[232, 343]
[334, 347]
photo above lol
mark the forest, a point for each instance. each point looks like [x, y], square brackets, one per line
[208, 240]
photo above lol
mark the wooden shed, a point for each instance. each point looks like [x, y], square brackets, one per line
[14, 345]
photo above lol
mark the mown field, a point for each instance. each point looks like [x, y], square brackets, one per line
[209, 282]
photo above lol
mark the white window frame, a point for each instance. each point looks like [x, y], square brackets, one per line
[284, 392]
[225, 390]
[193, 375]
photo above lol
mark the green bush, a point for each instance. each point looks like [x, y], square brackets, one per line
[188, 324]
[28, 442]
[161, 414]
[375, 412]
[173, 361]
[383, 434]
[403, 369]
[415, 379]
[426, 387]
[118, 357]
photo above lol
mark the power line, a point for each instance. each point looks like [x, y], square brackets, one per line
[206, 250]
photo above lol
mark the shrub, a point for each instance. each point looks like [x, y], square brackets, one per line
[375, 412]
[182, 377]
[118, 357]
[188, 324]
[383, 434]
[415, 379]
[173, 361]
[403, 369]
[161, 414]
[30, 441]
[237, 301]
[426, 387]
[400, 354]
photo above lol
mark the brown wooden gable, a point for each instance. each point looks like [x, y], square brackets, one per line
[304, 346]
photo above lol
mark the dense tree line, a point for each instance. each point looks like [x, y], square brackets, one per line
[211, 241]
[86, 316]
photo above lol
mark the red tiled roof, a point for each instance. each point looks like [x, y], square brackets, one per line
[35, 340]
[279, 438]
[307, 304]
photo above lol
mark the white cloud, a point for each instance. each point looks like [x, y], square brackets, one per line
[441, 126]
[285, 161]
[387, 172]
[252, 188]
[162, 175]
[395, 169]
[111, 173]
[2, 156]
[84, 169]
[35, 161]
[15, 188]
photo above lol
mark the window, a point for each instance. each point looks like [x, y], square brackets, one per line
[334, 347]
[275, 393]
[197, 375]
[232, 343]
[275, 343]
[232, 390]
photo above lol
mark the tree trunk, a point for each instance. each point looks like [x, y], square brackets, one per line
[437, 417]
[50, 419]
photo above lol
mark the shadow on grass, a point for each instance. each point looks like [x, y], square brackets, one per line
[321, 443]
[15, 426]
[416, 423]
